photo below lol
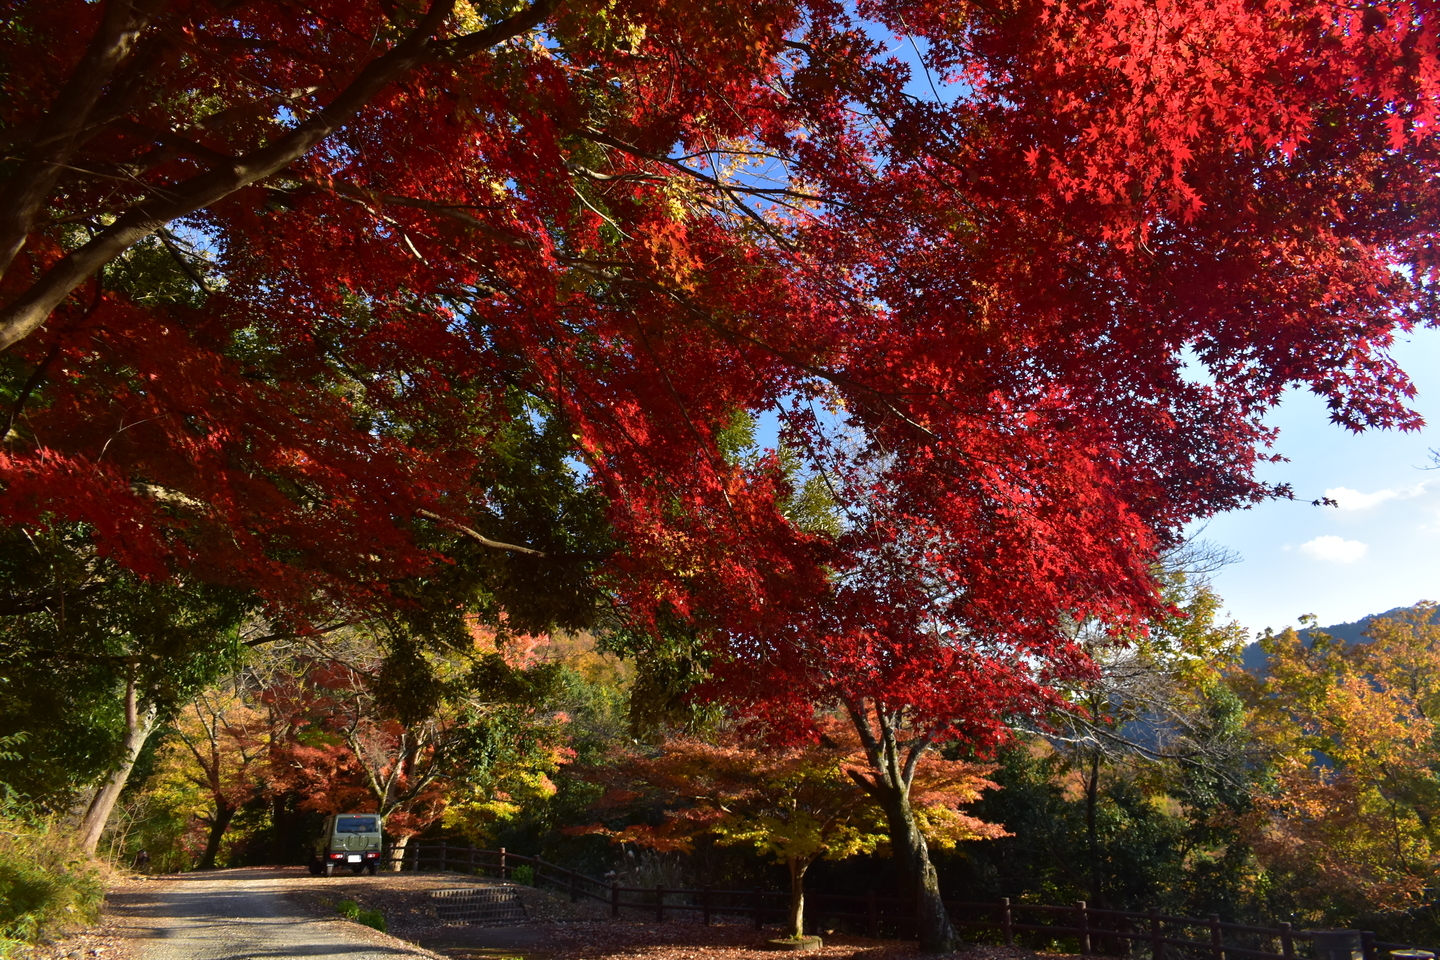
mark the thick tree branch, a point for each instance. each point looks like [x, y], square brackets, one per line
[860, 718]
[479, 537]
[32, 308]
[913, 753]
[27, 189]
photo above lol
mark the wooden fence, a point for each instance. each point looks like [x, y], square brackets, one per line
[1092, 931]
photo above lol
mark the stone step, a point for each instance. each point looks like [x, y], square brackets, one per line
[478, 905]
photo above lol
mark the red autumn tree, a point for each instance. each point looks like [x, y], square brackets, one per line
[379, 219]
[337, 743]
[282, 285]
[908, 651]
[797, 804]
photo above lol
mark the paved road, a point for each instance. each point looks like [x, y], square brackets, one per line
[240, 915]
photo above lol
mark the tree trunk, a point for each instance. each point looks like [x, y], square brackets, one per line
[281, 847]
[138, 724]
[397, 852]
[917, 873]
[892, 769]
[1092, 835]
[797, 896]
[223, 814]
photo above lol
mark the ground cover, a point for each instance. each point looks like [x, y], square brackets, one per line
[560, 930]
[555, 929]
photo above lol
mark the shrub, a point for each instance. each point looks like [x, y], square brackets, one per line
[46, 885]
[523, 874]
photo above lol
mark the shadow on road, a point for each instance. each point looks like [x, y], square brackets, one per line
[237, 915]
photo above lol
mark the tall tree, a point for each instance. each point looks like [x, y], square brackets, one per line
[1151, 700]
[94, 657]
[219, 744]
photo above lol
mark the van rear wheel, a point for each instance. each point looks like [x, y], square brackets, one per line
[374, 868]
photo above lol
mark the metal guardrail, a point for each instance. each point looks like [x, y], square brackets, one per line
[1097, 931]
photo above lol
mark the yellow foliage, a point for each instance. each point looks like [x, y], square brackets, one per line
[1354, 803]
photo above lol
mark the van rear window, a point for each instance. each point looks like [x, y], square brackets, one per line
[355, 825]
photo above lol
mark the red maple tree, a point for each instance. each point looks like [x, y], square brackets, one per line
[340, 754]
[649, 219]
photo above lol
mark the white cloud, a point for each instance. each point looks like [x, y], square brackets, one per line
[1334, 549]
[1348, 499]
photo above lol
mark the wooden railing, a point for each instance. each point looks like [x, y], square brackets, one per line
[1093, 931]
[761, 906]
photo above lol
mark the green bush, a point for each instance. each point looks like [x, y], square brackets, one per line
[524, 874]
[351, 910]
[46, 885]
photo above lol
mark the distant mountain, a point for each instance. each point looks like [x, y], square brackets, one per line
[1253, 659]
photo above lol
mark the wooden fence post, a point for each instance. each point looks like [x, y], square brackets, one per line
[444, 862]
[1217, 945]
[504, 871]
[1083, 922]
[1287, 941]
[1007, 922]
[755, 906]
[614, 899]
[1367, 945]
[470, 865]
[1157, 942]
[659, 903]
[414, 854]
[574, 887]
[705, 905]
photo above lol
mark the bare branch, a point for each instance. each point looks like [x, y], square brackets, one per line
[479, 537]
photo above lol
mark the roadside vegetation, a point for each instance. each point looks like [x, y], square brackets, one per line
[351, 910]
[48, 887]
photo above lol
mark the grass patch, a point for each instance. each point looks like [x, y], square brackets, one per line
[351, 910]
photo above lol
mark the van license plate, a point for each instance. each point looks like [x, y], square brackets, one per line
[353, 858]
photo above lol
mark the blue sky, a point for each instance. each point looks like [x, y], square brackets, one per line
[1380, 549]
